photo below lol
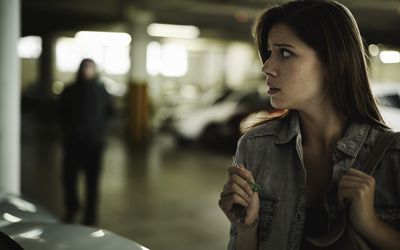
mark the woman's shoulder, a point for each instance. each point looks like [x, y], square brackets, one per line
[376, 132]
[267, 128]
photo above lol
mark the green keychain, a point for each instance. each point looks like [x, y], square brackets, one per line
[238, 210]
[254, 186]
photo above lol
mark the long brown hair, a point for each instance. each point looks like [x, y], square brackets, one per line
[331, 30]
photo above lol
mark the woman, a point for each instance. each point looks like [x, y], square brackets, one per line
[308, 160]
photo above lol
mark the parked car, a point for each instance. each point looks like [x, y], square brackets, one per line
[24, 225]
[217, 124]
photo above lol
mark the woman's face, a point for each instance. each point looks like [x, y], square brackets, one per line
[294, 72]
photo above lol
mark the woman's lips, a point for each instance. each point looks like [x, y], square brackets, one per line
[273, 91]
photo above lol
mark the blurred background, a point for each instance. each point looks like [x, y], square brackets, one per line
[185, 76]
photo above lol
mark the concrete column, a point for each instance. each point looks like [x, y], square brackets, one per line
[138, 101]
[47, 63]
[139, 20]
[9, 96]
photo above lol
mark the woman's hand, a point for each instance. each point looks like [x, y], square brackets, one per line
[237, 190]
[359, 188]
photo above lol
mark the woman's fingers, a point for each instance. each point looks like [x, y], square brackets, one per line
[355, 185]
[240, 178]
[227, 202]
[238, 190]
[352, 182]
[356, 178]
[235, 189]
[241, 171]
[356, 172]
[358, 188]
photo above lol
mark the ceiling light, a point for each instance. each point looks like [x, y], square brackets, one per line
[390, 56]
[103, 38]
[30, 47]
[173, 31]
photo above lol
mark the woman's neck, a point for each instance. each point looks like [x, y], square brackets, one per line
[322, 127]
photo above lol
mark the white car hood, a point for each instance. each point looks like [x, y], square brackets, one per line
[15, 209]
[54, 236]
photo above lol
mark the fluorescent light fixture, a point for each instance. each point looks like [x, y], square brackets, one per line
[390, 56]
[68, 54]
[30, 47]
[112, 57]
[173, 31]
[169, 60]
[103, 38]
[174, 60]
[117, 60]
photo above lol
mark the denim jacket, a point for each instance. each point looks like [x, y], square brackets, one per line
[274, 155]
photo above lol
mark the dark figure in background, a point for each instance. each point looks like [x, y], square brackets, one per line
[85, 108]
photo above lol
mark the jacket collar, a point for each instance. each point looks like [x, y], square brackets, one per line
[354, 138]
[290, 128]
[350, 144]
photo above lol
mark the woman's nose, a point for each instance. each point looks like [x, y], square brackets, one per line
[269, 68]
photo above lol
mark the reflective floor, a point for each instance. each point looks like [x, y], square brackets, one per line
[160, 195]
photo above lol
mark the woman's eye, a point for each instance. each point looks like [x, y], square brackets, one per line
[282, 53]
[285, 53]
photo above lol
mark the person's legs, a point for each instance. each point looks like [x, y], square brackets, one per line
[92, 175]
[70, 176]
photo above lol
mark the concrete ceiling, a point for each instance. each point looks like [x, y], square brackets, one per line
[379, 20]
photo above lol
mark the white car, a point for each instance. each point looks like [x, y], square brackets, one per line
[220, 120]
[24, 225]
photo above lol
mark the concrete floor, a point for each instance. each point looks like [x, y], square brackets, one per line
[159, 195]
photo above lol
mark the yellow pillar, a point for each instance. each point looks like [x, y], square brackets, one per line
[138, 112]
[137, 99]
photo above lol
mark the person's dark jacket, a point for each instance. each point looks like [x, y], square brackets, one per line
[85, 108]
